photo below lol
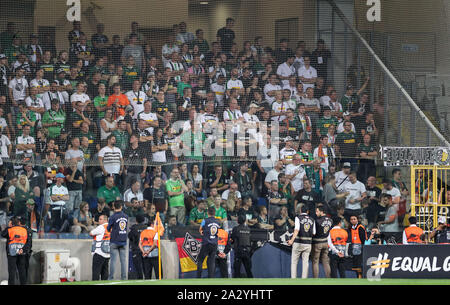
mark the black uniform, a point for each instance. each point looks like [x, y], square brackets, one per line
[16, 262]
[306, 231]
[442, 236]
[134, 236]
[323, 227]
[240, 238]
[210, 239]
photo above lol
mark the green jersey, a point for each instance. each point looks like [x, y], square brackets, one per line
[21, 121]
[197, 216]
[324, 123]
[221, 214]
[175, 186]
[181, 86]
[130, 74]
[122, 139]
[51, 116]
[100, 102]
[110, 195]
[193, 142]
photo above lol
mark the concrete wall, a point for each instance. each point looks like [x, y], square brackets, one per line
[82, 250]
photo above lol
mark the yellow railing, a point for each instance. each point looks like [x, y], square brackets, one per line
[430, 195]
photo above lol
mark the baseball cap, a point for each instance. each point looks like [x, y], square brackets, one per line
[30, 201]
[326, 108]
[288, 138]
[2, 56]
[55, 82]
[253, 105]
[60, 70]
[151, 73]
[442, 219]
[346, 113]
[59, 175]
[347, 164]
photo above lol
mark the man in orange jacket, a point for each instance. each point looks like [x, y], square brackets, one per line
[412, 234]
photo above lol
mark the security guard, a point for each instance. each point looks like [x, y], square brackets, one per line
[221, 259]
[100, 249]
[319, 242]
[134, 237]
[240, 239]
[16, 239]
[358, 238]
[301, 241]
[148, 243]
[209, 229]
[27, 249]
[441, 234]
[338, 248]
[412, 234]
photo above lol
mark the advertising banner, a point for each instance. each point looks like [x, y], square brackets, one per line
[406, 261]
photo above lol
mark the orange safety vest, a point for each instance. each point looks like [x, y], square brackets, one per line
[18, 237]
[223, 237]
[147, 237]
[355, 234]
[413, 235]
[338, 236]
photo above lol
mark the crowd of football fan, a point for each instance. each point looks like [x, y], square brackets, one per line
[84, 127]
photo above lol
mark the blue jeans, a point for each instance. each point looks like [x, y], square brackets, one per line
[121, 251]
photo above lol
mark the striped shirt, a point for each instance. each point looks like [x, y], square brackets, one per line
[111, 159]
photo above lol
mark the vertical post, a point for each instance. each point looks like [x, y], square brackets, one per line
[345, 57]
[412, 126]
[399, 100]
[413, 191]
[372, 74]
[386, 94]
[358, 63]
[333, 25]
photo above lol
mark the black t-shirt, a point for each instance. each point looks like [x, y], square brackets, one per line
[156, 196]
[133, 158]
[308, 198]
[226, 38]
[222, 180]
[373, 192]
[96, 213]
[73, 186]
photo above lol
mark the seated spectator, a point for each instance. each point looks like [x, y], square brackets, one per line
[198, 213]
[212, 197]
[83, 222]
[100, 209]
[109, 191]
[264, 221]
[248, 211]
[221, 213]
[134, 208]
[134, 192]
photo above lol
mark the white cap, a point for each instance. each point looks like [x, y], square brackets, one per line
[442, 219]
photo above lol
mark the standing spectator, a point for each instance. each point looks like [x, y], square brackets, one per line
[307, 74]
[347, 145]
[175, 188]
[307, 196]
[135, 50]
[275, 199]
[118, 226]
[22, 193]
[319, 58]
[101, 255]
[286, 70]
[367, 153]
[18, 89]
[99, 41]
[135, 159]
[59, 196]
[373, 196]
[157, 196]
[227, 35]
[75, 181]
[295, 173]
[110, 159]
[100, 209]
[301, 241]
[357, 194]
[282, 52]
[389, 225]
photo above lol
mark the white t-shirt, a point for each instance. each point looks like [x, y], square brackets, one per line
[340, 176]
[148, 117]
[48, 96]
[285, 70]
[76, 97]
[59, 191]
[307, 73]
[36, 103]
[340, 127]
[272, 175]
[19, 87]
[229, 115]
[251, 121]
[277, 108]
[234, 84]
[297, 181]
[24, 140]
[227, 192]
[137, 100]
[287, 153]
[394, 192]
[128, 195]
[4, 143]
[111, 159]
[356, 190]
[219, 90]
[269, 87]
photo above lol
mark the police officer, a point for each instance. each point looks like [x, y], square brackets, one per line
[412, 234]
[16, 239]
[319, 242]
[221, 258]
[338, 248]
[100, 249]
[301, 241]
[441, 234]
[118, 226]
[240, 238]
[209, 229]
[133, 236]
